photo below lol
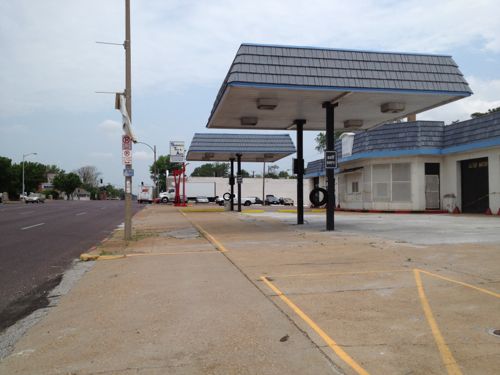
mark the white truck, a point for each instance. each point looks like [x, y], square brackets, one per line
[193, 191]
[145, 194]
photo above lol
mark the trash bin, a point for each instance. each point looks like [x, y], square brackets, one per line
[227, 205]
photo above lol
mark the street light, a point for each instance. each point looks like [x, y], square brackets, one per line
[156, 167]
[23, 193]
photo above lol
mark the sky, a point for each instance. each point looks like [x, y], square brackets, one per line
[51, 65]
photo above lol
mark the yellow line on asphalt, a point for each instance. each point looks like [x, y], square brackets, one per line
[253, 211]
[327, 339]
[205, 234]
[340, 273]
[497, 295]
[448, 359]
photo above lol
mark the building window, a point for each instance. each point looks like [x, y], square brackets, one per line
[401, 182]
[355, 187]
[381, 177]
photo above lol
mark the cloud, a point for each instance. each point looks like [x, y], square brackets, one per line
[50, 61]
[101, 155]
[110, 128]
[142, 155]
[486, 96]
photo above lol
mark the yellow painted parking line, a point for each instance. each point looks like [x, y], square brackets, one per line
[205, 234]
[253, 211]
[448, 359]
[340, 273]
[327, 339]
[291, 211]
[172, 253]
[216, 209]
[497, 295]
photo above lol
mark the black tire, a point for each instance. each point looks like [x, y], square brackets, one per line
[164, 200]
[318, 197]
[247, 203]
[227, 196]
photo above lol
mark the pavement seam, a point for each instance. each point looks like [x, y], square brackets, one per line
[335, 367]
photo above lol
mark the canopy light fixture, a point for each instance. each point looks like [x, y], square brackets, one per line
[249, 121]
[267, 104]
[353, 124]
[392, 107]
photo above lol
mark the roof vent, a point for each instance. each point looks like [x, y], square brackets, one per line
[353, 124]
[249, 121]
[267, 104]
[392, 107]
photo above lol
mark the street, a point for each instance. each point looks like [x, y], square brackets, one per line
[39, 242]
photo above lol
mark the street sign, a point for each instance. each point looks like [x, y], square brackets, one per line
[126, 142]
[128, 172]
[127, 157]
[239, 179]
[331, 160]
[177, 152]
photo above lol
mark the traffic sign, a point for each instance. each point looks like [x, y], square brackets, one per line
[239, 179]
[126, 142]
[127, 157]
[128, 172]
[331, 160]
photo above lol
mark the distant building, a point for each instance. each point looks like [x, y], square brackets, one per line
[420, 165]
[49, 184]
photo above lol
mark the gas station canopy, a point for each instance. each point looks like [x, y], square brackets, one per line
[250, 147]
[268, 87]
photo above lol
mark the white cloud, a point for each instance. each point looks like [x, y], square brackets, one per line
[486, 96]
[49, 59]
[142, 155]
[110, 128]
[101, 155]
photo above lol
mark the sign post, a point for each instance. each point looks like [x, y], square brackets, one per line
[177, 156]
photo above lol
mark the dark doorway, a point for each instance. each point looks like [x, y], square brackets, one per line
[432, 194]
[475, 197]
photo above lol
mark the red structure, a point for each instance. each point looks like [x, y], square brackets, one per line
[180, 176]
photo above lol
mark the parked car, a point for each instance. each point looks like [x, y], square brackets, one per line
[271, 199]
[248, 201]
[35, 198]
[201, 200]
[286, 201]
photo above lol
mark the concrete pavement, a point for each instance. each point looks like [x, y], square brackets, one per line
[263, 296]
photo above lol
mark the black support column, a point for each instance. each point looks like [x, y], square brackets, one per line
[330, 176]
[300, 170]
[238, 160]
[231, 183]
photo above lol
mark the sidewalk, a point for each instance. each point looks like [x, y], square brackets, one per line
[175, 305]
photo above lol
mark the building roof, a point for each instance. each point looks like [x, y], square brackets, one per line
[252, 147]
[418, 138]
[301, 78]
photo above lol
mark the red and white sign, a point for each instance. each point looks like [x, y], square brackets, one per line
[126, 142]
[127, 157]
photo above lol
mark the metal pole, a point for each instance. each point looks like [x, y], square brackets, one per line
[238, 159]
[264, 184]
[22, 192]
[157, 193]
[231, 183]
[300, 173]
[128, 97]
[330, 176]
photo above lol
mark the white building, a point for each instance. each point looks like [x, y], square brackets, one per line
[418, 166]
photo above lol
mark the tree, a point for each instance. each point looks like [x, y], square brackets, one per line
[89, 176]
[34, 175]
[321, 140]
[211, 170]
[163, 164]
[244, 173]
[67, 183]
[5, 174]
[490, 111]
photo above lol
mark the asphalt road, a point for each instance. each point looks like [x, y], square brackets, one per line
[38, 242]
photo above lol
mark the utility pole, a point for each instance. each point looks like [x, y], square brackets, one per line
[128, 101]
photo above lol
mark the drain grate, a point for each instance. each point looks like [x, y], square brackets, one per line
[495, 332]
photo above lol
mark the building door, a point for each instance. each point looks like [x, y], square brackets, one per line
[475, 190]
[432, 190]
